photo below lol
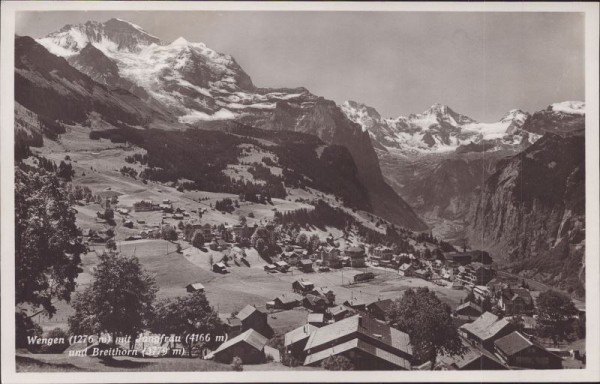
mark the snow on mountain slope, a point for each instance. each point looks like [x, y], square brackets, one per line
[192, 80]
[438, 129]
[569, 107]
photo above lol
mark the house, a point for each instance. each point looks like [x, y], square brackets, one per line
[128, 223]
[248, 346]
[232, 326]
[474, 359]
[316, 319]
[406, 269]
[457, 285]
[468, 311]
[219, 268]
[282, 266]
[383, 253]
[305, 266]
[338, 313]
[253, 318]
[295, 340]
[270, 268]
[486, 329]
[517, 350]
[379, 309]
[286, 302]
[166, 207]
[357, 256]
[315, 303]
[302, 286]
[194, 287]
[358, 304]
[515, 301]
[369, 344]
[482, 292]
[326, 293]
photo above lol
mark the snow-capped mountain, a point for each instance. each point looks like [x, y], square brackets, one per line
[194, 81]
[438, 129]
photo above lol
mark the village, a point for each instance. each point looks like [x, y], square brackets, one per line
[323, 296]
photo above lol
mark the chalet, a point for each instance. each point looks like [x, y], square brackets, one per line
[468, 311]
[248, 346]
[282, 266]
[357, 304]
[486, 329]
[326, 293]
[517, 350]
[302, 286]
[457, 285]
[194, 287]
[335, 263]
[316, 319]
[256, 319]
[515, 301]
[357, 256]
[305, 266]
[128, 224]
[482, 292]
[270, 268]
[328, 253]
[232, 326]
[295, 340]
[338, 313]
[369, 344]
[406, 269]
[219, 268]
[474, 359]
[286, 302]
[379, 309]
[315, 303]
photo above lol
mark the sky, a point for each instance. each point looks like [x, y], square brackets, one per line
[481, 64]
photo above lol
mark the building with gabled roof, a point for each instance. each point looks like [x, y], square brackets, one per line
[515, 301]
[248, 346]
[474, 359]
[254, 318]
[518, 351]
[487, 328]
[287, 301]
[194, 287]
[468, 311]
[295, 340]
[369, 344]
[379, 309]
[338, 312]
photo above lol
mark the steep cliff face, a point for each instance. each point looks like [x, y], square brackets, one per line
[323, 118]
[531, 212]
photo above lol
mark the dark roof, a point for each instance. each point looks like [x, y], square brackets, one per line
[516, 342]
[382, 305]
[472, 354]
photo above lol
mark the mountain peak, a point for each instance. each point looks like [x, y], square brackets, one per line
[180, 41]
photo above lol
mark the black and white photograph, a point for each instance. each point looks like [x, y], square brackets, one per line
[198, 193]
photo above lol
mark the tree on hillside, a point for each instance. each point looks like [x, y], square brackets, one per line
[427, 321]
[198, 239]
[119, 300]
[555, 310]
[187, 315]
[337, 363]
[242, 219]
[302, 240]
[168, 233]
[47, 240]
